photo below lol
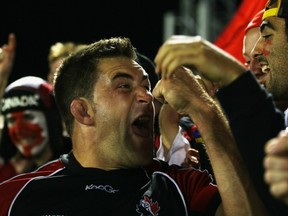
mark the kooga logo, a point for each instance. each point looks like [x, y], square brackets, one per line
[107, 188]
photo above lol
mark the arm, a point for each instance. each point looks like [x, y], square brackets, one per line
[252, 116]
[7, 54]
[184, 93]
[169, 127]
[253, 120]
[174, 147]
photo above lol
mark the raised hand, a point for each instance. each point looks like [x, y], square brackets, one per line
[7, 55]
[276, 166]
[200, 56]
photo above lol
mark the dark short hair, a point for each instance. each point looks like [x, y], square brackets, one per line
[78, 74]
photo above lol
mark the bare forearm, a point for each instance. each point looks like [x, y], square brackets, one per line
[169, 125]
[238, 193]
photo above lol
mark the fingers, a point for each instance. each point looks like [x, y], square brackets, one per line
[209, 86]
[199, 55]
[11, 42]
[166, 85]
[280, 190]
[274, 163]
[8, 50]
[278, 145]
[276, 166]
[157, 92]
[180, 91]
[193, 152]
[176, 52]
[192, 158]
[278, 181]
[11, 45]
[276, 159]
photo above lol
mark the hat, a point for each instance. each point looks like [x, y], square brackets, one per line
[276, 8]
[255, 22]
[27, 93]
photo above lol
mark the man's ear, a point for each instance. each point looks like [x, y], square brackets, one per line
[82, 110]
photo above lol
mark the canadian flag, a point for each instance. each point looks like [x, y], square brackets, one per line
[231, 38]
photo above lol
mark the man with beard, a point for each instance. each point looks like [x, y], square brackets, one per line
[250, 111]
[272, 45]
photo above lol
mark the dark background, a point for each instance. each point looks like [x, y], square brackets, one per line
[39, 24]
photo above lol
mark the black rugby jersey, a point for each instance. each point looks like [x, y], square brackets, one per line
[64, 187]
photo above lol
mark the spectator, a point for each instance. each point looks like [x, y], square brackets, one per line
[252, 116]
[109, 113]
[57, 53]
[274, 45]
[32, 133]
[255, 61]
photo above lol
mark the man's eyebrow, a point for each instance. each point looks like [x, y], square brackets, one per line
[127, 76]
[122, 75]
[266, 24]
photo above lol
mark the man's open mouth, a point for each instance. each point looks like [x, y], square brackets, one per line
[142, 126]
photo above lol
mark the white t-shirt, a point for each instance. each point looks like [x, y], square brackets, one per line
[177, 152]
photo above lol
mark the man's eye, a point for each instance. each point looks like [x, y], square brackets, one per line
[124, 86]
[266, 37]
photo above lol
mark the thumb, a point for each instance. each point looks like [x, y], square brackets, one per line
[157, 92]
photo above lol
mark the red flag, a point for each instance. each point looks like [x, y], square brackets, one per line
[231, 38]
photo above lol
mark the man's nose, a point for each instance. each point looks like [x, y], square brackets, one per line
[144, 96]
[258, 48]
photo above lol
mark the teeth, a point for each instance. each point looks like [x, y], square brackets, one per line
[265, 69]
